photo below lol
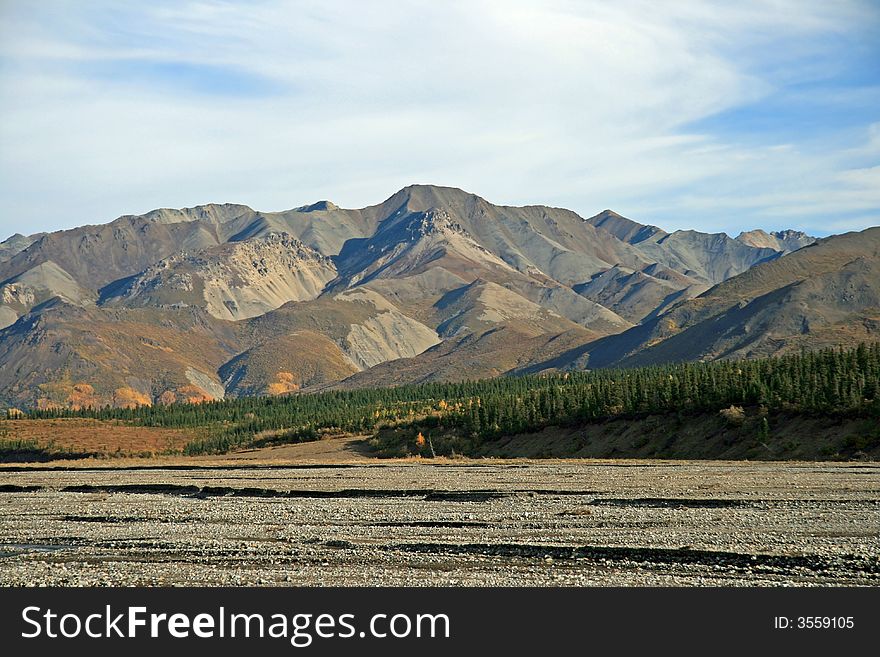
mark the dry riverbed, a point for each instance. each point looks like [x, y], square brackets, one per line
[546, 523]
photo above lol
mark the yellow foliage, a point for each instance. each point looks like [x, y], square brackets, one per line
[167, 397]
[420, 440]
[283, 384]
[669, 325]
[83, 396]
[735, 415]
[130, 398]
[64, 394]
[193, 395]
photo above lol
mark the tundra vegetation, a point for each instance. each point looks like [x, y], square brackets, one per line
[460, 418]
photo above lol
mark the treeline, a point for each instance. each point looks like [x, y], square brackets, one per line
[830, 381]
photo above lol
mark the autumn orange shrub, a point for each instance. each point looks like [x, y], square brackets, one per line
[130, 398]
[283, 384]
[83, 396]
[193, 395]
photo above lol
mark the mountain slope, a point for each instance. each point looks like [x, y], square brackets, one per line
[824, 294]
[707, 258]
[286, 364]
[232, 281]
[634, 295]
[36, 285]
[16, 244]
[483, 304]
[53, 353]
[366, 327]
[503, 349]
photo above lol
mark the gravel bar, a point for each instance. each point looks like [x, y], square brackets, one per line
[468, 523]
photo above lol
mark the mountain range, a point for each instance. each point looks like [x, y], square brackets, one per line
[433, 283]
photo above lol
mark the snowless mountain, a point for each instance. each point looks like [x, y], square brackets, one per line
[432, 283]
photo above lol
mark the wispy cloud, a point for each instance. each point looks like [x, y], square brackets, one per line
[711, 115]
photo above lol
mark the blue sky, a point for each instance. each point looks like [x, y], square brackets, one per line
[716, 116]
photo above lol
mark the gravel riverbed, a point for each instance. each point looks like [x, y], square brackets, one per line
[468, 523]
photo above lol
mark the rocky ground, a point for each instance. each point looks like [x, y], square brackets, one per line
[481, 523]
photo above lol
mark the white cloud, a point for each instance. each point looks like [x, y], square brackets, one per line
[580, 104]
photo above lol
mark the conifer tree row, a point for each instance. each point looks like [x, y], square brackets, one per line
[829, 381]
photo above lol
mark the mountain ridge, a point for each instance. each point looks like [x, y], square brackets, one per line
[431, 283]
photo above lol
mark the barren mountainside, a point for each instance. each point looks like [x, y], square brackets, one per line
[432, 283]
[826, 294]
[232, 281]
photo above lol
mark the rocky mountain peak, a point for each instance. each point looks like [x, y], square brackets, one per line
[320, 206]
[784, 241]
[431, 222]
